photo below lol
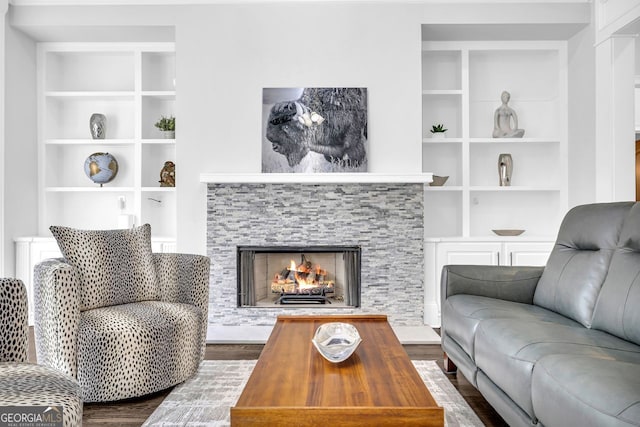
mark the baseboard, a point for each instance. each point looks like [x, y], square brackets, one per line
[259, 334]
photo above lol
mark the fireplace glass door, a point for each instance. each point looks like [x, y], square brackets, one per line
[326, 276]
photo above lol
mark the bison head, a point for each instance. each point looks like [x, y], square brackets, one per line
[286, 133]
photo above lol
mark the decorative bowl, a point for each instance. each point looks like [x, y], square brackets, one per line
[508, 232]
[438, 181]
[336, 341]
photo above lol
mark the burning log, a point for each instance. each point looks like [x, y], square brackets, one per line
[302, 276]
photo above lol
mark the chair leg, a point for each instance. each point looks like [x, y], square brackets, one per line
[449, 366]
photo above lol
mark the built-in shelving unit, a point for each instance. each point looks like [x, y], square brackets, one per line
[462, 83]
[133, 85]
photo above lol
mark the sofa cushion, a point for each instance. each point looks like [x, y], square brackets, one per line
[463, 313]
[617, 309]
[138, 348]
[506, 350]
[596, 392]
[580, 259]
[115, 266]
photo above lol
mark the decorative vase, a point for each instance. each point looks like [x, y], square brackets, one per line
[169, 134]
[438, 135]
[505, 169]
[98, 126]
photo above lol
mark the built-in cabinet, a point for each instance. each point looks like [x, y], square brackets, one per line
[511, 251]
[462, 83]
[133, 85]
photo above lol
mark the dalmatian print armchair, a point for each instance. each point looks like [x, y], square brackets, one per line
[122, 320]
[28, 384]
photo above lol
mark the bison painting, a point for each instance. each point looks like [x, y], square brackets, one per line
[318, 130]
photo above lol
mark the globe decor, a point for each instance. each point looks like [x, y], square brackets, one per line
[101, 168]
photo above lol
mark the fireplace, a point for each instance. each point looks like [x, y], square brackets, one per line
[384, 220]
[298, 276]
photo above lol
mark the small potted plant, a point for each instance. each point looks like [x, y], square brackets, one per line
[438, 131]
[168, 126]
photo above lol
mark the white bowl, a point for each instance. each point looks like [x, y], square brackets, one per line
[336, 341]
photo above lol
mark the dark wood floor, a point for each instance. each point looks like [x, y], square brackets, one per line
[133, 412]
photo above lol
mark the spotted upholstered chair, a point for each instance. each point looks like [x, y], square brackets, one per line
[124, 321]
[25, 384]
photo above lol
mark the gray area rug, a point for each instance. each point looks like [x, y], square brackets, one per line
[205, 399]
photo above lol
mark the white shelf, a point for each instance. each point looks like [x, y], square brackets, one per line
[162, 141]
[158, 189]
[513, 140]
[97, 189]
[442, 92]
[90, 94]
[511, 188]
[89, 142]
[162, 94]
[319, 178]
[442, 140]
[453, 188]
[524, 237]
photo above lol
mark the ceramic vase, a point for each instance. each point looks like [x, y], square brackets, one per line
[505, 169]
[98, 126]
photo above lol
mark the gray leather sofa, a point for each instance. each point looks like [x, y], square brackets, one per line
[556, 345]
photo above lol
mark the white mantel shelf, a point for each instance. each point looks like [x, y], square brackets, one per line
[316, 178]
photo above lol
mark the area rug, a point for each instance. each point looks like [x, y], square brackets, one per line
[205, 399]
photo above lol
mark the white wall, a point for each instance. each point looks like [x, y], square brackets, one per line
[582, 121]
[226, 55]
[615, 147]
[20, 163]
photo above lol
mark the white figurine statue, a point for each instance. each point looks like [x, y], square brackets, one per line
[502, 120]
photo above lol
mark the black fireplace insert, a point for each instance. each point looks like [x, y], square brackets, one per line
[298, 275]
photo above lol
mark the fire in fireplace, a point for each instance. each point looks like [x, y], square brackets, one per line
[286, 275]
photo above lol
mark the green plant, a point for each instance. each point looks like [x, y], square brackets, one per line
[438, 128]
[166, 123]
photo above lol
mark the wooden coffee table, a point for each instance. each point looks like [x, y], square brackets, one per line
[293, 385]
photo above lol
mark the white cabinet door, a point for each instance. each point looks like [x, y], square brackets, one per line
[531, 254]
[469, 253]
[449, 253]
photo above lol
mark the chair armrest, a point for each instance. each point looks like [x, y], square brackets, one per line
[14, 343]
[517, 284]
[184, 278]
[57, 314]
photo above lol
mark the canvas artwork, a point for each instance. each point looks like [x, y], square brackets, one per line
[308, 130]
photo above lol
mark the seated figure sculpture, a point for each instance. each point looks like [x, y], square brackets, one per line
[502, 120]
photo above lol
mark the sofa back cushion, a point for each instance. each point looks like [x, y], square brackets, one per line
[580, 259]
[617, 310]
[115, 266]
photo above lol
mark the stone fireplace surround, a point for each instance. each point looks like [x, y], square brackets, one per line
[384, 219]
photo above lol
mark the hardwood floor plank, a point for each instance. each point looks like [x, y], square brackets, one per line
[133, 412]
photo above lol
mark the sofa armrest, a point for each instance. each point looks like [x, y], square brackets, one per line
[57, 314]
[517, 284]
[184, 278]
[14, 344]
